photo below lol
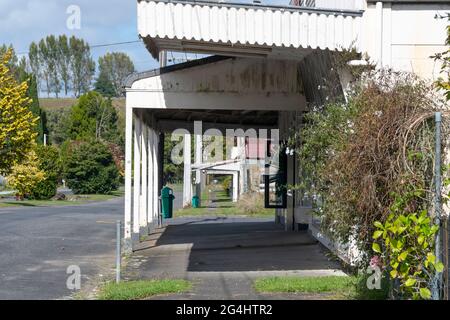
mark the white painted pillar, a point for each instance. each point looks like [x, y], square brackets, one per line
[187, 180]
[379, 35]
[243, 169]
[235, 186]
[155, 177]
[203, 181]
[128, 181]
[387, 36]
[198, 161]
[198, 156]
[151, 195]
[143, 209]
[137, 177]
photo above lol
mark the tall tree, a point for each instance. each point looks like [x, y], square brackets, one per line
[35, 63]
[44, 62]
[35, 108]
[82, 66]
[115, 67]
[61, 63]
[52, 64]
[64, 58]
[17, 122]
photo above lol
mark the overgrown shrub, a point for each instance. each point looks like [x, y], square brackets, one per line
[369, 162]
[25, 176]
[94, 117]
[251, 203]
[355, 155]
[49, 162]
[90, 169]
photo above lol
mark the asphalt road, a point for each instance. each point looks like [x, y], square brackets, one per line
[37, 245]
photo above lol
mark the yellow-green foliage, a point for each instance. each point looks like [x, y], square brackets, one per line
[26, 175]
[17, 123]
[405, 242]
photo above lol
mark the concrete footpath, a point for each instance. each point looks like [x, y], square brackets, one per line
[223, 256]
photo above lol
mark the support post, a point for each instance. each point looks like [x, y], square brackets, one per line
[143, 223]
[137, 178]
[243, 166]
[155, 178]
[118, 251]
[235, 186]
[150, 191]
[128, 186]
[437, 283]
[379, 41]
[187, 180]
[198, 161]
[160, 173]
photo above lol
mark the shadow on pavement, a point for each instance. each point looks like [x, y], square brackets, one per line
[230, 244]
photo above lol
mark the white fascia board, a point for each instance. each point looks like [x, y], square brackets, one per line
[275, 27]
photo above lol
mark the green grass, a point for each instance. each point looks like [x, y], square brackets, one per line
[304, 284]
[351, 287]
[72, 200]
[176, 187]
[36, 203]
[223, 207]
[135, 290]
[67, 103]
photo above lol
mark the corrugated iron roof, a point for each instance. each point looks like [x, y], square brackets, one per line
[182, 25]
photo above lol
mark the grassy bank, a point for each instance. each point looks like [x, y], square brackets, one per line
[67, 103]
[336, 287]
[70, 201]
[137, 290]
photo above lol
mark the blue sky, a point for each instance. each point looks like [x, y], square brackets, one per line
[102, 21]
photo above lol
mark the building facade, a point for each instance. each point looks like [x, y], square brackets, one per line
[266, 66]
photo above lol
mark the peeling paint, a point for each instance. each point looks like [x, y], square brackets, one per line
[241, 75]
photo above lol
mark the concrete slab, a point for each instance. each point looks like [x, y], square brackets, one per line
[222, 256]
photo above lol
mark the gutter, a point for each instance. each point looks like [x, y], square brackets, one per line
[257, 6]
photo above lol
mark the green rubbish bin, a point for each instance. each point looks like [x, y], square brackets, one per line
[167, 202]
[195, 202]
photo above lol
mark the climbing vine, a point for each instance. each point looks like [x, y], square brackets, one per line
[368, 166]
